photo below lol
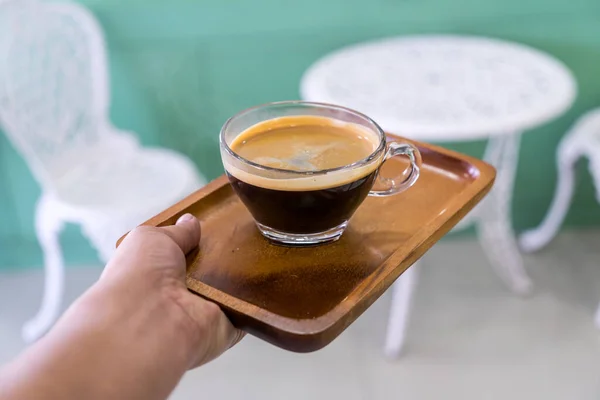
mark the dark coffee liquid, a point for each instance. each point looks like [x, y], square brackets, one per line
[308, 211]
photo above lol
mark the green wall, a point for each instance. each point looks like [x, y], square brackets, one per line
[179, 68]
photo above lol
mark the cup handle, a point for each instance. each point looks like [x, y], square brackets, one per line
[399, 149]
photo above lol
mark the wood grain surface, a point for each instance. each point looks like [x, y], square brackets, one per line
[301, 299]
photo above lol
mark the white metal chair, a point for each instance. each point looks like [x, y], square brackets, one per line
[583, 140]
[54, 102]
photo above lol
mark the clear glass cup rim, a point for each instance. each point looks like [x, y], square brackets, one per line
[359, 163]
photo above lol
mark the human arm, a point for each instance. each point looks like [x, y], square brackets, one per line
[133, 334]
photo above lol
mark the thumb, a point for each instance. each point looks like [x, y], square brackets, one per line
[186, 232]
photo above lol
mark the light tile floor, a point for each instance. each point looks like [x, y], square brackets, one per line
[469, 337]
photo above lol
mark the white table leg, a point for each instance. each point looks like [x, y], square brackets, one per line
[48, 227]
[494, 219]
[402, 295]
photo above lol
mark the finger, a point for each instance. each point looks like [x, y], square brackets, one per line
[186, 232]
[224, 337]
[239, 335]
[216, 334]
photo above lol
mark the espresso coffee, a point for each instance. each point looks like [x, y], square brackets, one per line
[304, 143]
[302, 202]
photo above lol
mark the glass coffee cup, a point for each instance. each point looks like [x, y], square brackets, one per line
[292, 165]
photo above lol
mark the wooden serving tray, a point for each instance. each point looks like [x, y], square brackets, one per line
[301, 299]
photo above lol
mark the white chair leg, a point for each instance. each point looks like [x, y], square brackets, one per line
[402, 296]
[48, 228]
[494, 225]
[534, 239]
[579, 141]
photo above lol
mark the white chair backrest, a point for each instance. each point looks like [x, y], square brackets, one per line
[53, 84]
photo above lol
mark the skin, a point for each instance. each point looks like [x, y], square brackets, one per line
[133, 334]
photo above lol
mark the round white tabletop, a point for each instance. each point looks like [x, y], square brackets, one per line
[444, 88]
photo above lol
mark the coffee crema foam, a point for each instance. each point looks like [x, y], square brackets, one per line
[303, 143]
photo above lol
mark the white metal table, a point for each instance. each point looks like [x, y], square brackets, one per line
[448, 88]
